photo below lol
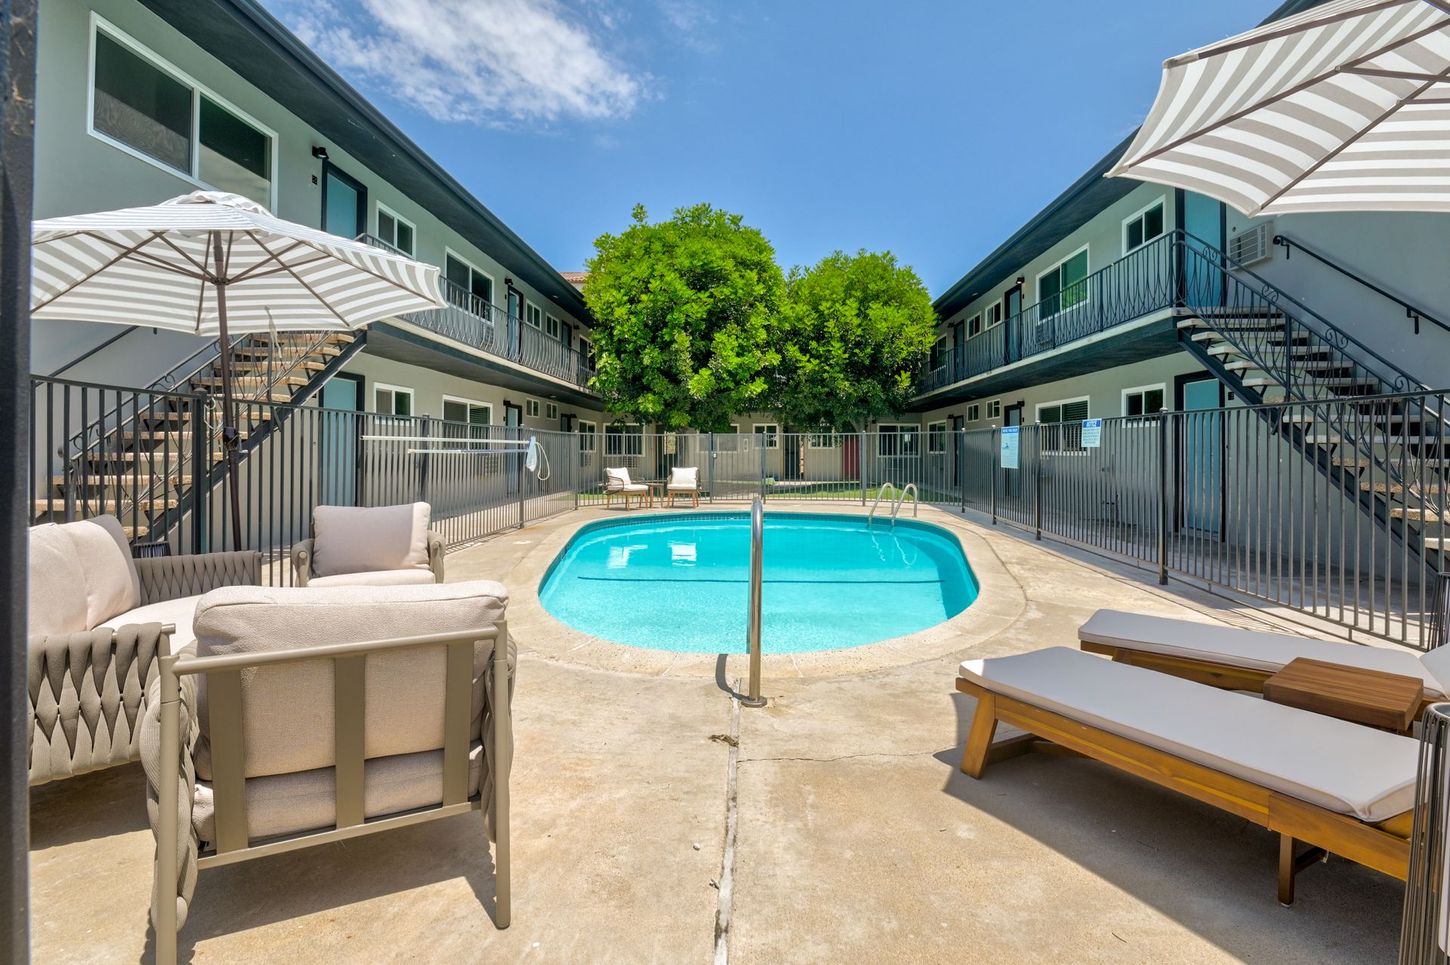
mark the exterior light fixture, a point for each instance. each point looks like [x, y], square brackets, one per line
[319, 152]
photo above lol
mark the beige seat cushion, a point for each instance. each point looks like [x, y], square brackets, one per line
[112, 584]
[1252, 649]
[408, 577]
[287, 711]
[180, 611]
[355, 539]
[617, 478]
[1336, 765]
[292, 803]
[57, 583]
[684, 478]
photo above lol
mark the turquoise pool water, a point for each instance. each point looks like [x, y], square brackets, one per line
[678, 582]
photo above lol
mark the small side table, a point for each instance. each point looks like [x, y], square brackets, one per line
[1374, 698]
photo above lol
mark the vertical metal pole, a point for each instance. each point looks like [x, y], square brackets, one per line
[1163, 497]
[752, 613]
[861, 463]
[763, 439]
[17, 115]
[200, 447]
[1037, 479]
[996, 443]
[711, 437]
[961, 457]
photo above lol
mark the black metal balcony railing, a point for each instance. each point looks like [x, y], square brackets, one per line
[1141, 282]
[479, 324]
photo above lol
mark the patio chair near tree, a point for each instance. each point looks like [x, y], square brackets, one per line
[97, 631]
[395, 712]
[618, 483]
[369, 546]
[684, 481]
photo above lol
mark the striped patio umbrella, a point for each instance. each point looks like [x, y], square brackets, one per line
[216, 264]
[1345, 107]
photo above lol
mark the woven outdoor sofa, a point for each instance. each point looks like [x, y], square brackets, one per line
[95, 636]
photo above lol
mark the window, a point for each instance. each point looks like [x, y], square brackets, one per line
[974, 325]
[768, 435]
[587, 432]
[1063, 285]
[1061, 424]
[151, 110]
[936, 437]
[1143, 400]
[586, 353]
[464, 418]
[939, 353]
[993, 315]
[974, 412]
[394, 400]
[531, 408]
[551, 326]
[1143, 227]
[823, 440]
[467, 287]
[728, 442]
[897, 440]
[994, 409]
[395, 231]
[551, 410]
[626, 439]
[534, 316]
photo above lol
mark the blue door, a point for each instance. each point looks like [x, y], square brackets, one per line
[1204, 282]
[341, 398]
[1200, 492]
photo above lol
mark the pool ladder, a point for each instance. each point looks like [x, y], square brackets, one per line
[752, 612]
[897, 499]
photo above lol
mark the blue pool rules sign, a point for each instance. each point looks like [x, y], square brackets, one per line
[1092, 433]
[1011, 446]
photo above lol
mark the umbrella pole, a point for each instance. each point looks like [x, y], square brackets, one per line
[230, 436]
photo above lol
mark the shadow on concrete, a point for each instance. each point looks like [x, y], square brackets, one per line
[1208, 871]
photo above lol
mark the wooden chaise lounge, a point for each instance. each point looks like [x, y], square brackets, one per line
[1243, 659]
[1339, 787]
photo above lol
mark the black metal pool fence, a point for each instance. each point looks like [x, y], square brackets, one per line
[1333, 508]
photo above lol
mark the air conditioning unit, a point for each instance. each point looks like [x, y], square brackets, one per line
[1253, 245]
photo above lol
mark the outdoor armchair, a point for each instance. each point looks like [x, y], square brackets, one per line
[97, 622]
[684, 481]
[369, 546]
[394, 711]
[618, 483]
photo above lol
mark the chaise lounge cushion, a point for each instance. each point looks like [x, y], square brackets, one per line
[1336, 765]
[180, 611]
[287, 717]
[357, 539]
[1253, 649]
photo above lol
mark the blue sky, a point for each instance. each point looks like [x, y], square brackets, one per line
[934, 128]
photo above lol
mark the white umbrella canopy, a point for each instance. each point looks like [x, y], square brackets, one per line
[1345, 107]
[159, 267]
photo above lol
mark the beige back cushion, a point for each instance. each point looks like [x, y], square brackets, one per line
[685, 476]
[57, 583]
[357, 539]
[287, 711]
[112, 584]
[616, 478]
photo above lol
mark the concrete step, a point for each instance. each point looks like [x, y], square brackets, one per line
[96, 505]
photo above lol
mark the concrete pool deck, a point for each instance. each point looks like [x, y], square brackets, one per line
[857, 837]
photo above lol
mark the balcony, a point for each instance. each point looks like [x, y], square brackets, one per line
[1139, 284]
[478, 324]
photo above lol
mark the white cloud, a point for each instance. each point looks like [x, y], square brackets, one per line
[692, 21]
[490, 62]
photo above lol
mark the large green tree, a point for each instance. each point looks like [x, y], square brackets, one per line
[684, 311]
[855, 331]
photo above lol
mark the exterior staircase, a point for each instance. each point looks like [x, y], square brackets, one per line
[140, 457]
[1368, 426]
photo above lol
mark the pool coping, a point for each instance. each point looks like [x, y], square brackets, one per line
[1000, 601]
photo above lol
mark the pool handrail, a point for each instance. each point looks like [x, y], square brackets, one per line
[752, 613]
[880, 491]
[901, 498]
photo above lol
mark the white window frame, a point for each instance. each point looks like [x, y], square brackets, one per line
[531, 408]
[627, 430]
[487, 406]
[974, 412]
[978, 320]
[533, 316]
[551, 410]
[939, 426]
[1055, 444]
[552, 328]
[823, 440]
[382, 209]
[987, 312]
[899, 429]
[1087, 289]
[994, 409]
[396, 390]
[451, 253]
[1156, 386]
[588, 440]
[193, 176]
[771, 437]
[1161, 202]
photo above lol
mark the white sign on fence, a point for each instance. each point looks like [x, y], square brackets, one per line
[1092, 433]
[1011, 446]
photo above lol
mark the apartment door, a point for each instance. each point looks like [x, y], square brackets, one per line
[792, 447]
[1012, 324]
[338, 444]
[959, 342]
[344, 203]
[1200, 454]
[513, 421]
[515, 321]
[1204, 284]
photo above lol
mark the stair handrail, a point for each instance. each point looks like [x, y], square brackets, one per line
[1413, 312]
[93, 350]
[1401, 381]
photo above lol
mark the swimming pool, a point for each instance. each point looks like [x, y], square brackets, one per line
[678, 582]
